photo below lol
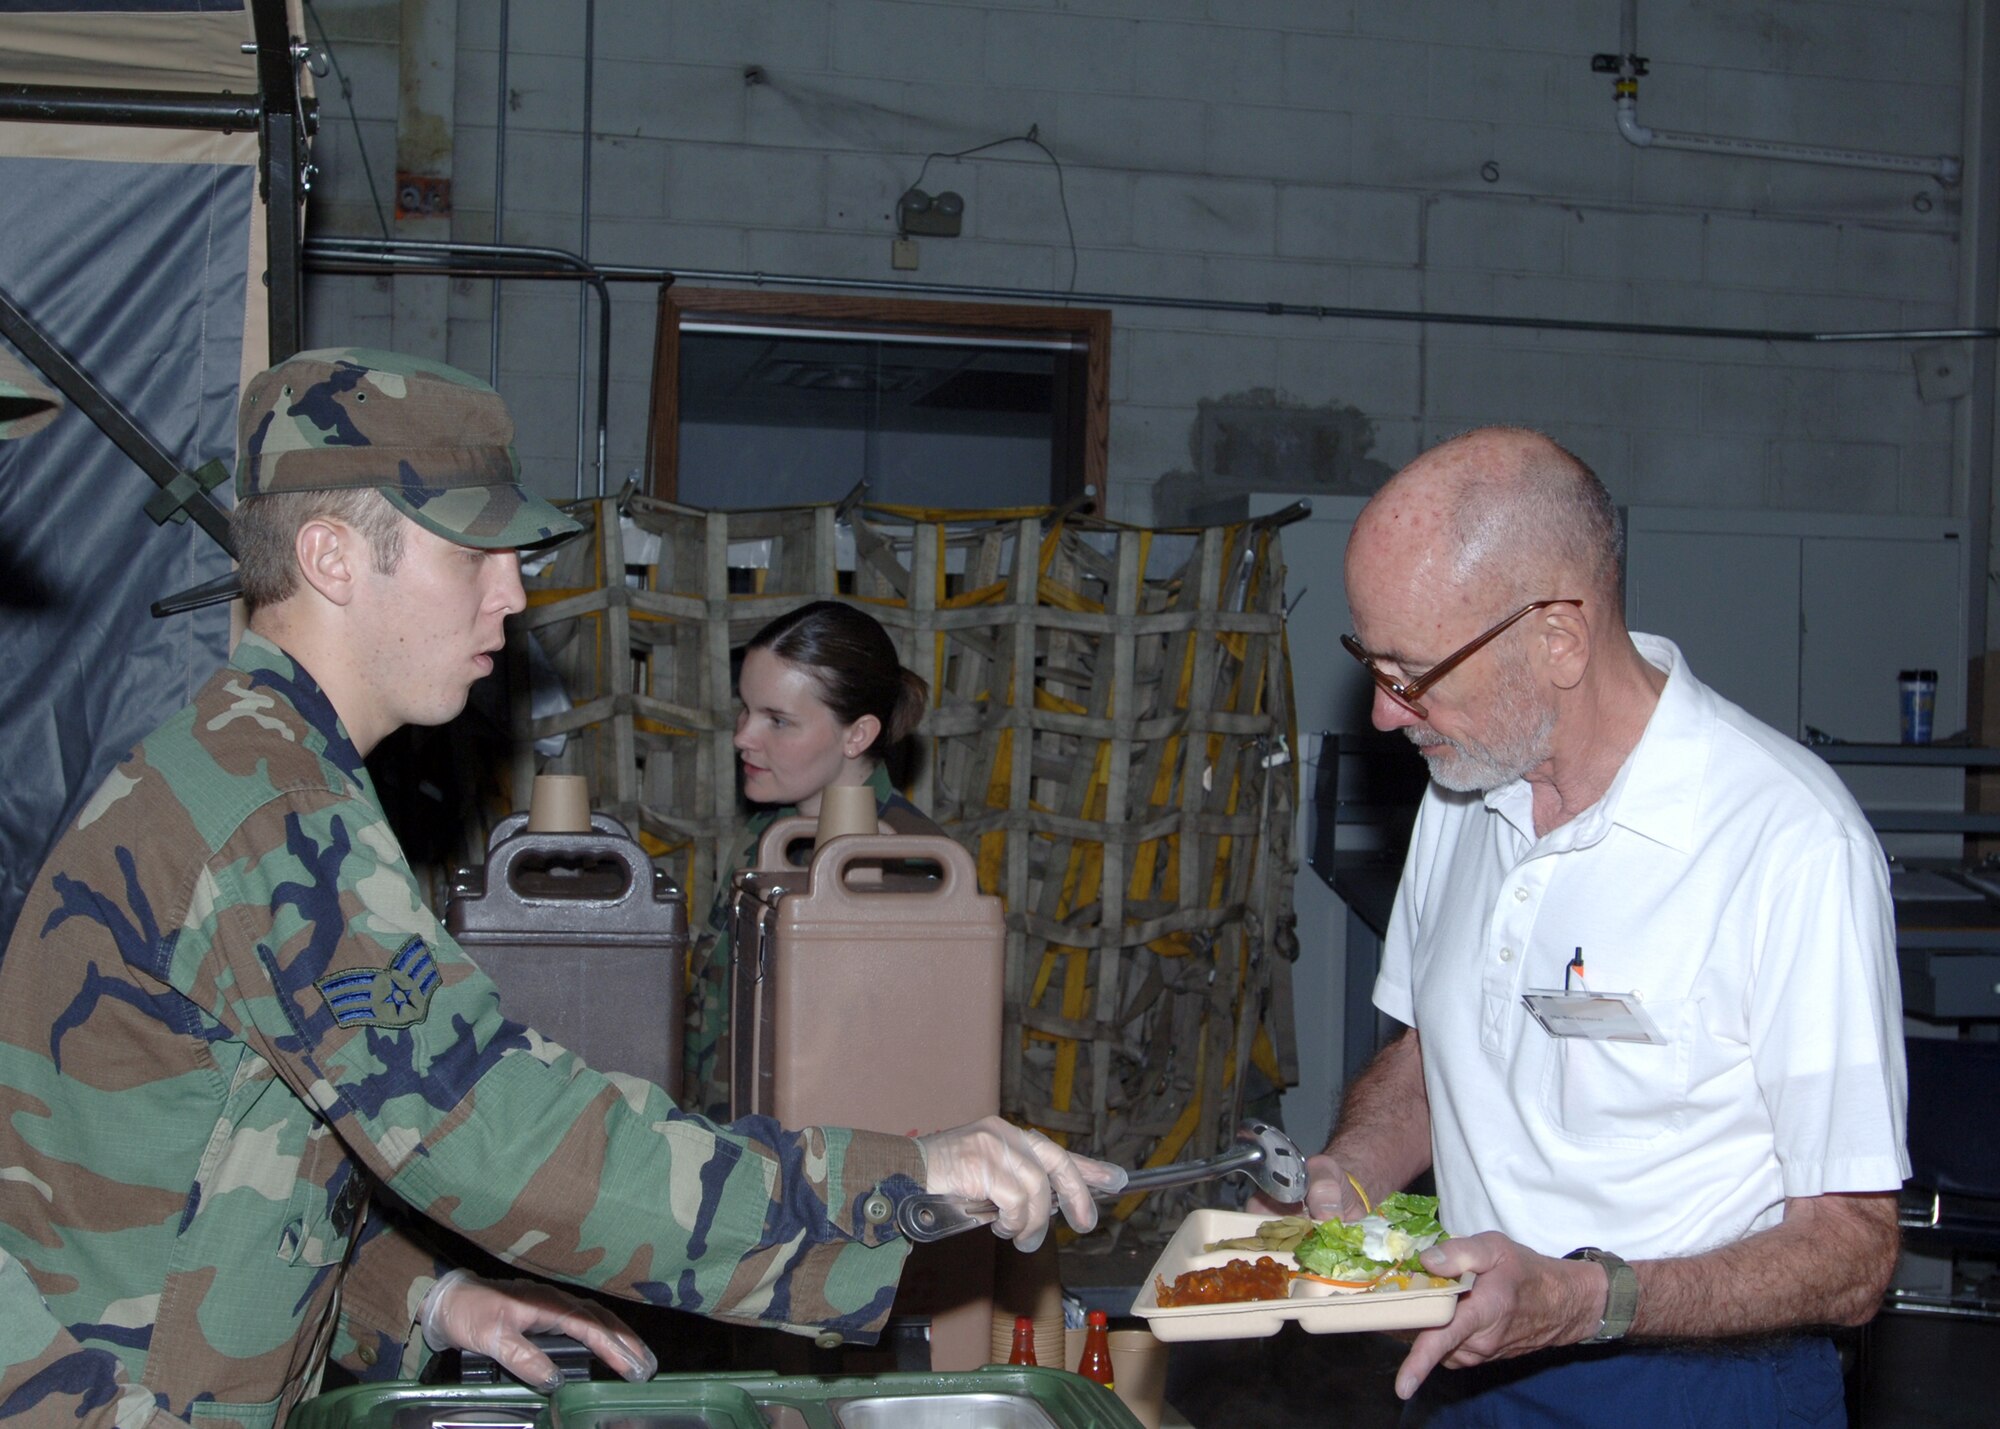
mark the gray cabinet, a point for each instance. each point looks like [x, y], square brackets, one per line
[1869, 607]
[1805, 620]
[1730, 600]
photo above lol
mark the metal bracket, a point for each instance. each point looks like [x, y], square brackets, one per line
[1610, 64]
[173, 500]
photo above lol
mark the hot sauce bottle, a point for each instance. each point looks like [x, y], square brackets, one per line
[1096, 1361]
[1024, 1341]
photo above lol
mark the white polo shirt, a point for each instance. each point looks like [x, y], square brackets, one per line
[1726, 877]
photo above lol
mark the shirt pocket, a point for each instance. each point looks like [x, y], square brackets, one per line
[1619, 1093]
[327, 1203]
[209, 1412]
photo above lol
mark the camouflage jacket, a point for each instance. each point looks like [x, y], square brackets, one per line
[227, 1020]
[704, 1077]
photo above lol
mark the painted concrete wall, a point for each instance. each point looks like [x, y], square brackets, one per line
[1450, 155]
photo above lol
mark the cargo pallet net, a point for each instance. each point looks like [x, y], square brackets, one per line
[1111, 735]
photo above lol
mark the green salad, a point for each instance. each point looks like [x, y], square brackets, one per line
[1385, 1242]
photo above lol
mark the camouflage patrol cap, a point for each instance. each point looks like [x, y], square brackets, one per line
[436, 442]
[26, 406]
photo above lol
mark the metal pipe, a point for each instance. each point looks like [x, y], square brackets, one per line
[74, 104]
[1945, 168]
[583, 247]
[619, 273]
[350, 243]
[1973, 420]
[499, 198]
[628, 273]
[336, 254]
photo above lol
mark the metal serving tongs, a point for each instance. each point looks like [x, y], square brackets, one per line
[1262, 1152]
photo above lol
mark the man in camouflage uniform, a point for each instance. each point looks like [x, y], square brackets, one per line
[240, 1060]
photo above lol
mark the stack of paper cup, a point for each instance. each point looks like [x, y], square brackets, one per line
[845, 809]
[560, 804]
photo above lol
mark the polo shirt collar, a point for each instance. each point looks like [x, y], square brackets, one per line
[1653, 794]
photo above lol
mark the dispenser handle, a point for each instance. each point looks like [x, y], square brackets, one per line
[771, 847]
[828, 877]
[501, 859]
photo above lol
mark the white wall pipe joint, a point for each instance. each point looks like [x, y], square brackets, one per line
[1945, 168]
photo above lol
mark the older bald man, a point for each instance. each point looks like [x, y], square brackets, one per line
[1685, 1154]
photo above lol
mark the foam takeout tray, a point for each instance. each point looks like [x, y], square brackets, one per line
[1321, 1309]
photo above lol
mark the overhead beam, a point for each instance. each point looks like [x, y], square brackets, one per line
[74, 104]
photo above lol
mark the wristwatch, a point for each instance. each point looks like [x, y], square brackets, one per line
[1621, 1299]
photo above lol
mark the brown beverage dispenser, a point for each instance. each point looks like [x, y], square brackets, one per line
[866, 991]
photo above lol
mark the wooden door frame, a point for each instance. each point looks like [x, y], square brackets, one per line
[807, 311]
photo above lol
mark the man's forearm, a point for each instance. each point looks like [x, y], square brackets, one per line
[1826, 1263]
[1383, 1137]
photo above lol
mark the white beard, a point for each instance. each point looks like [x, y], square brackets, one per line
[1474, 768]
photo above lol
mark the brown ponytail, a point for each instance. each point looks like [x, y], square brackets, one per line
[854, 663]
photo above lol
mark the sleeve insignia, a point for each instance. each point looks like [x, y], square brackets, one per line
[396, 996]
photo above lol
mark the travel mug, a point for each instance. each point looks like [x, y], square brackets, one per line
[1919, 691]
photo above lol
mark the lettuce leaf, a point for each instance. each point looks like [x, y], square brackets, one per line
[1401, 1228]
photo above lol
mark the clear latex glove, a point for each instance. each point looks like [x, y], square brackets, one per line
[1021, 1172]
[495, 1317]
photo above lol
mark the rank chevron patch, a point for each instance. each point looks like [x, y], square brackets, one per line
[396, 996]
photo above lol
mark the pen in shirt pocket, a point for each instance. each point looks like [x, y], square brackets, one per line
[1574, 969]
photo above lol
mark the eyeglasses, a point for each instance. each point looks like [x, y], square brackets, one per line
[1408, 692]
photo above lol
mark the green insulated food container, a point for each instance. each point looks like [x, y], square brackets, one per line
[402, 1405]
[997, 1397]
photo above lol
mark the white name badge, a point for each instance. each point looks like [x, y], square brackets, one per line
[1598, 1016]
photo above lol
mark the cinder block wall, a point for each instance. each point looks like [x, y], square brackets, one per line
[1451, 155]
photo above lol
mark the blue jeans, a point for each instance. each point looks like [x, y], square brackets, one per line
[1792, 1382]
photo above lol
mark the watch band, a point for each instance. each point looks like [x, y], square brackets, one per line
[1621, 1298]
